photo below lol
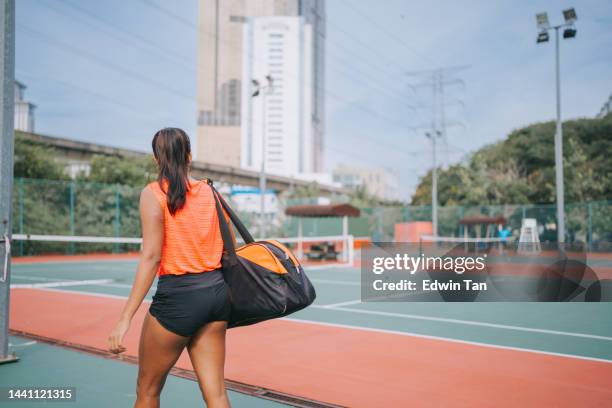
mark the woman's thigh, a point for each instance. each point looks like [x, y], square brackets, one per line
[158, 351]
[207, 353]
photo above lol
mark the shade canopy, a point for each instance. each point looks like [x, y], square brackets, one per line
[482, 220]
[315, 210]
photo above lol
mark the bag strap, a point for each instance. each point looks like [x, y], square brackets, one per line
[226, 235]
[242, 230]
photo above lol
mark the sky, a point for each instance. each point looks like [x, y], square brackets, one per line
[114, 71]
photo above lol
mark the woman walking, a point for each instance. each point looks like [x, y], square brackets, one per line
[182, 244]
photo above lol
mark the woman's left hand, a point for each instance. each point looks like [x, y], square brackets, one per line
[115, 339]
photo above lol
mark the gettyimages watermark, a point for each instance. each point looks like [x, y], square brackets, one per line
[483, 272]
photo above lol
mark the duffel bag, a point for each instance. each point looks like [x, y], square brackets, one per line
[265, 278]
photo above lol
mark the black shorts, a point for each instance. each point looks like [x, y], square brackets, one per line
[184, 303]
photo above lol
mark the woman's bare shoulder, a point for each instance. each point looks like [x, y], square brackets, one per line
[152, 194]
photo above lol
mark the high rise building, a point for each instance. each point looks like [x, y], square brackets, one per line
[220, 70]
[276, 123]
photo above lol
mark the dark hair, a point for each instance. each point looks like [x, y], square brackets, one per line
[172, 150]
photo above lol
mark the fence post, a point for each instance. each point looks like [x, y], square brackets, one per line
[406, 215]
[7, 97]
[21, 206]
[72, 227]
[117, 216]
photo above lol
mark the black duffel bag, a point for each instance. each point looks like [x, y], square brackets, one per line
[265, 278]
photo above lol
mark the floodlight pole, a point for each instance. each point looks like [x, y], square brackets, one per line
[434, 185]
[7, 106]
[433, 135]
[559, 149]
[542, 19]
[262, 173]
[263, 90]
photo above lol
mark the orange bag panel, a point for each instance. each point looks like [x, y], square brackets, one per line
[285, 250]
[260, 255]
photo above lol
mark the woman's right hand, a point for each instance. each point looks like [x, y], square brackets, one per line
[115, 339]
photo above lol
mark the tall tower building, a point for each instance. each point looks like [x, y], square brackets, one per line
[220, 70]
[276, 124]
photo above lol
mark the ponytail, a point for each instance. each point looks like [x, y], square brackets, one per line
[172, 150]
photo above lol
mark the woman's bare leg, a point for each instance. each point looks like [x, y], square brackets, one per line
[158, 351]
[207, 353]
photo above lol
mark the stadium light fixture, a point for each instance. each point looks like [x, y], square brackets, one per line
[570, 15]
[542, 20]
[543, 37]
[569, 31]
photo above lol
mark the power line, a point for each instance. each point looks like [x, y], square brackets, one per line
[383, 90]
[108, 99]
[93, 57]
[326, 91]
[102, 62]
[164, 52]
[389, 34]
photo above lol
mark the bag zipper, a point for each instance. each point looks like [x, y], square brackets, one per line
[287, 257]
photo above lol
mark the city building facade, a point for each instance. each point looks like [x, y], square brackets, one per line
[220, 73]
[275, 122]
[24, 110]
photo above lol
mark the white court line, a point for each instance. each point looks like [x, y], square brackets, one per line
[464, 322]
[80, 292]
[35, 278]
[62, 283]
[335, 282]
[370, 329]
[333, 305]
[28, 263]
[109, 284]
[426, 336]
[330, 266]
[338, 307]
[26, 344]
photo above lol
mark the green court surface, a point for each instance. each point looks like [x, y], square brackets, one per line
[47, 365]
[576, 329]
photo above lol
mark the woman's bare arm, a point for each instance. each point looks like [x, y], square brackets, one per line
[152, 220]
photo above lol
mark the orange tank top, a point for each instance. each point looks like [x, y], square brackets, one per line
[192, 238]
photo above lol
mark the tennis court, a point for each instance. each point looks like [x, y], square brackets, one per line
[338, 351]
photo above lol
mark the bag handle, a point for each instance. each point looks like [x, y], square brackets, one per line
[220, 202]
[226, 235]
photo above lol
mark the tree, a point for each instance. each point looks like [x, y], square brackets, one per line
[521, 168]
[135, 172]
[309, 192]
[36, 161]
[361, 198]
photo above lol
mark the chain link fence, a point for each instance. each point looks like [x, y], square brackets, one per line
[71, 207]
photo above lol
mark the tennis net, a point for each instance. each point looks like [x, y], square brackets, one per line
[464, 244]
[309, 250]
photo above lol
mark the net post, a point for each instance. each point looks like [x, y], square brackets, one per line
[71, 219]
[351, 250]
[117, 216]
[345, 249]
[7, 101]
[300, 241]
